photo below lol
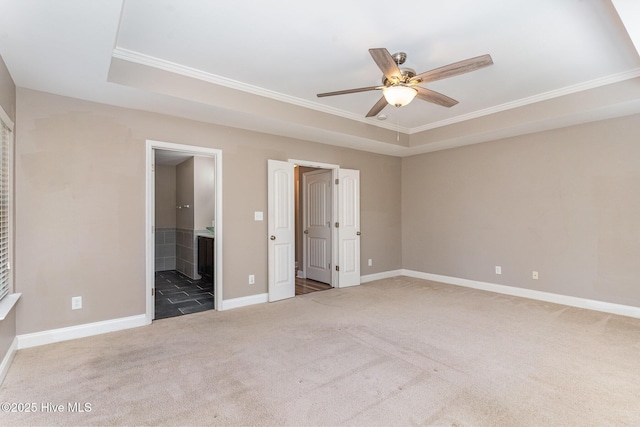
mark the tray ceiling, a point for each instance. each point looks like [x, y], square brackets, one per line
[259, 66]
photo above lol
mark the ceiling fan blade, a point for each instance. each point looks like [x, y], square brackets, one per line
[378, 107]
[343, 92]
[454, 69]
[435, 97]
[387, 64]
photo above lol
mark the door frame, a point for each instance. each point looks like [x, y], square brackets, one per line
[152, 145]
[334, 211]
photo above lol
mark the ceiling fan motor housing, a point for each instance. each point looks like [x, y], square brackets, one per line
[407, 73]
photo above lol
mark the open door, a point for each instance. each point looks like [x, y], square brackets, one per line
[349, 227]
[317, 209]
[281, 226]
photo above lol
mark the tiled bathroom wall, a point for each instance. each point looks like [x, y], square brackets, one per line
[165, 249]
[176, 250]
[186, 253]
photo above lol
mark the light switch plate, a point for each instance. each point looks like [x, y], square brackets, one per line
[257, 215]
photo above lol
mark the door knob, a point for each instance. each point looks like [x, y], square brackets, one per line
[357, 233]
[306, 231]
[273, 237]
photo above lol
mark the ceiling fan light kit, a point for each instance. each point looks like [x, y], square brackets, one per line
[400, 95]
[401, 85]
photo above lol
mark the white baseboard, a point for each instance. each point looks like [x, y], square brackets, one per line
[348, 285]
[8, 358]
[607, 307]
[80, 331]
[380, 276]
[229, 304]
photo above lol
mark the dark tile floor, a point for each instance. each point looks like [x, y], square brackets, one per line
[177, 294]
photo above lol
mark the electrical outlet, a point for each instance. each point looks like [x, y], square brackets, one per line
[76, 303]
[370, 262]
[252, 279]
[498, 269]
[534, 275]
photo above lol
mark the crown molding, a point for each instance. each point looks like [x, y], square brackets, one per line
[172, 67]
[591, 84]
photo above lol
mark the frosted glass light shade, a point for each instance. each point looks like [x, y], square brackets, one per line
[399, 96]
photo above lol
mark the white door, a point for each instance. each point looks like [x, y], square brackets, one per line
[317, 225]
[281, 225]
[349, 227]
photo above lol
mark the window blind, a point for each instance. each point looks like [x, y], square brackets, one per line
[4, 209]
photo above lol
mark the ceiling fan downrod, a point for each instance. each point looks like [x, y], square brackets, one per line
[399, 57]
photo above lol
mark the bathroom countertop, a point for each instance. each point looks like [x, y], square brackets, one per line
[206, 234]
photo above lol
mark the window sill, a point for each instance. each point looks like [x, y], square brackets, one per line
[7, 304]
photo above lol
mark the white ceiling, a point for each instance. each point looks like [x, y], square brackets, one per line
[170, 157]
[289, 50]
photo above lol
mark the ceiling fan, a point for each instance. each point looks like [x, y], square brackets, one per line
[401, 85]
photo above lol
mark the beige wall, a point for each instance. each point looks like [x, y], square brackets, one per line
[165, 193]
[204, 192]
[80, 187]
[79, 193]
[565, 203]
[184, 195]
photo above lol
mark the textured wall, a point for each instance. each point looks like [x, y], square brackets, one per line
[565, 203]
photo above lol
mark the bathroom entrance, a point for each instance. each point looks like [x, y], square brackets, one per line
[183, 211]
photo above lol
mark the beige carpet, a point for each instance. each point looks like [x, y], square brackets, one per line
[394, 352]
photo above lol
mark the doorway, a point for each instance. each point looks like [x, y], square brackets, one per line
[344, 223]
[314, 248]
[316, 224]
[177, 277]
